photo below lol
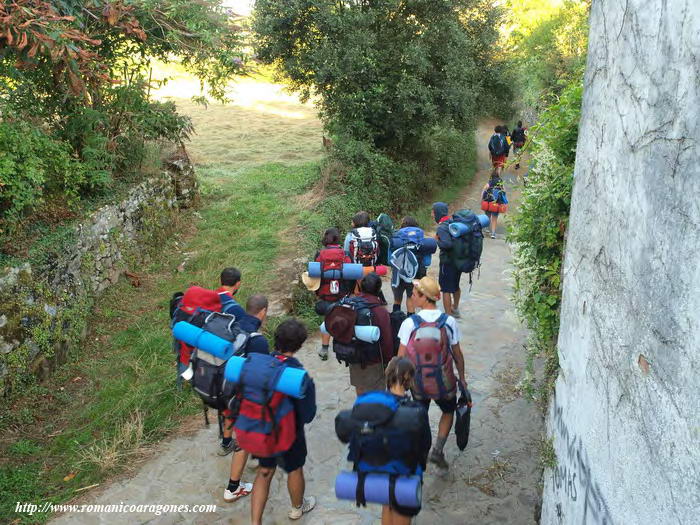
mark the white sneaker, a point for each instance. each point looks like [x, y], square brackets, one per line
[243, 490]
[456, 313]
[307, 506]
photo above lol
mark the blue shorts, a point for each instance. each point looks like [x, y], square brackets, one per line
[293, 459]
[449, 278]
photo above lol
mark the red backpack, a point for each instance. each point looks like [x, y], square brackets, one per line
[266, 423]
[332, 258]
[430, 351]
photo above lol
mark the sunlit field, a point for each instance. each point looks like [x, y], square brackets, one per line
[262, 123]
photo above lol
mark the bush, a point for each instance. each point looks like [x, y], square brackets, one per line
[539, 228]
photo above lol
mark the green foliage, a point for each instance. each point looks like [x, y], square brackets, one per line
[539, 228]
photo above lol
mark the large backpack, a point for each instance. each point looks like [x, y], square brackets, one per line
[498, 145]
[385, 435]
[332, 259]
[466, 250]
[364, 246]
[385, 230]
[518, 135]
[266, 424]
[430, 351]
[347, 348]
[406, 260]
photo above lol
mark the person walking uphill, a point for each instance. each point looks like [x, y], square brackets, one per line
[435, 353]
[449, 275]
[289, 337]
[494, 193]
[499, 148]
[331, 257]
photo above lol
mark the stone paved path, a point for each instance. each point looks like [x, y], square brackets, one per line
[495, 480]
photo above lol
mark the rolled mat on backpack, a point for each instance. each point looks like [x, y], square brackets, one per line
[380, 270]
[291, 381]
[368, 334]
[407, 491]
[457, 229]
[351, 272]
[428, 246]
[195, 336]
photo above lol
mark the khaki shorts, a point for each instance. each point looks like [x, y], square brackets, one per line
[371, 377]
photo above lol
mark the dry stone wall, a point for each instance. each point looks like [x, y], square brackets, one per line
[44, 305]
[624, 418]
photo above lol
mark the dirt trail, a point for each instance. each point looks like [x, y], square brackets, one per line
[495, 480]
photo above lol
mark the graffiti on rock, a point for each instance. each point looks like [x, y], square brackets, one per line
[573, 478]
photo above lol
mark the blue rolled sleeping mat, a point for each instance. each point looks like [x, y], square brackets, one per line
[195, 336]
[266, 372]
[351, 272]
[368, 334]
[407, 489]
[457, 229]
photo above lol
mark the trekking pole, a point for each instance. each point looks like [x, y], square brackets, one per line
[220, 418]
[206, 414]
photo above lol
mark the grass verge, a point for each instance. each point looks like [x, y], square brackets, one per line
[105, 408]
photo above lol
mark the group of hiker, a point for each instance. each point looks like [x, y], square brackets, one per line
[398, 360]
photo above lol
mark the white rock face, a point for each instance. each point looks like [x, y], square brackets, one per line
[625, 417]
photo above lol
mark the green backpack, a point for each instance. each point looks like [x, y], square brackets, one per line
[385, 230]
[466, 249]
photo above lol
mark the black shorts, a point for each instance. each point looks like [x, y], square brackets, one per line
[400, 289]
[293, 459]
[409, 512]
[449, 278]
[448, 406]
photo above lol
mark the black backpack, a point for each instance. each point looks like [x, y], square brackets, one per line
[466, 250]
[518, 135]
[356, 352]
[397, 318]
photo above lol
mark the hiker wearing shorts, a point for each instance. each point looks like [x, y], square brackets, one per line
[449, 275]
[371, 375]
[329, 291]
[490, 193]
[499, 148]
[289, 337]
[251, 322]
[404, 287]
[518, 136]
[426, 293]
[361, 220]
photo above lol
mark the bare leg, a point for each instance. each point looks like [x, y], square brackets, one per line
[456, 298]
[447, 303]
[296, 484]
[228, 427]
[492, 220]
[398, 519]
[445, 425]
[410, 307]
[325, 339]
[238, 462]
[261, 490]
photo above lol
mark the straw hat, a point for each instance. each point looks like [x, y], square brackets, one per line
[428, 287]
[312, 283]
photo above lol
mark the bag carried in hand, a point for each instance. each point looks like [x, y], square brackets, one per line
[466, 249]
[464, 411]
[340, 323]
[364, 246]
[429, 349]
[385, 229]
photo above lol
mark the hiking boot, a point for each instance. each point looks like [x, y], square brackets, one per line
[307, 506]
[225, 451]
[323, 354]
[439, 459]
[456, 313]
[243, 490]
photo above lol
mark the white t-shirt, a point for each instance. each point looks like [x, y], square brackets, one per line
[430, 316]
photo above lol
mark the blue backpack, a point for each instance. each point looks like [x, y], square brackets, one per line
[498, 145]
[406, 260]
[386, 435]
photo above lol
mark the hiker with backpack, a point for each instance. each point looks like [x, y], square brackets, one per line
[407, 266]
[362, 244]
[331, 257]
[389, 436]
[494, 200]
[255, 316]
[499, 148]
[430, 340]
[230, 280]
[365, 359]
[289, 337]
[518, 136]
[449, 275]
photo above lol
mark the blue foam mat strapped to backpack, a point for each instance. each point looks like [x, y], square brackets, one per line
[350, 272]
[195, 336]
[407, 489]
[265, 371]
